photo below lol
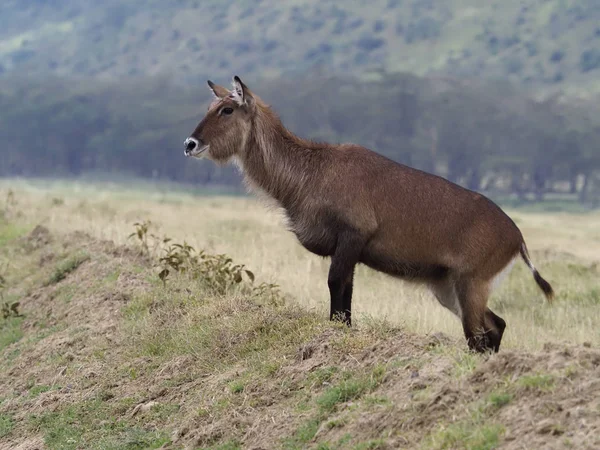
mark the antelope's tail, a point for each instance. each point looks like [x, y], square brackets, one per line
[543, 284]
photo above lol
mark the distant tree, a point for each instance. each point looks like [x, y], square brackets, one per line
[590, 60]
[483, 135]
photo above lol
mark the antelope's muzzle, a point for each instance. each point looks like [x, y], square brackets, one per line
[194, 147]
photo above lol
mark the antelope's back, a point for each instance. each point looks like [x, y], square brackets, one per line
[425, 218]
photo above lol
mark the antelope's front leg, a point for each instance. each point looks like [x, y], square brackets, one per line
[346, 255]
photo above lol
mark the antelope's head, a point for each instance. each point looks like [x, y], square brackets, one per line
[223, 132]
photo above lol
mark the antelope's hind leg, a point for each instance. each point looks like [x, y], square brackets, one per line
[500, 324]
[483, 329]
[444, 290]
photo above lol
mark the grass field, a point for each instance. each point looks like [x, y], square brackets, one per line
[97, 352]
[565, 247]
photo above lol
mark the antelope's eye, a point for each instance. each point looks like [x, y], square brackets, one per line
[227, 110]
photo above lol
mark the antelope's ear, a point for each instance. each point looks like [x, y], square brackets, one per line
[218, 91]
[240, 92]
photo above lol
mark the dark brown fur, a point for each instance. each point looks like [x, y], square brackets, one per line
[356, 206]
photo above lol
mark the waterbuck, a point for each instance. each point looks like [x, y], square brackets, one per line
[356, 206]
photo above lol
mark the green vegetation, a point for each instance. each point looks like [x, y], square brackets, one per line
[499, 399]
[6, 424]
[65, 267]
[550, 44]
[230, 445]
[479, 431]
[469, 435]
[351, 386]
[76, 426]
[39, 389]
[371, 445]
[236, 387]
[540, 382]
[9, 232]
[10, 331]
[348, 389]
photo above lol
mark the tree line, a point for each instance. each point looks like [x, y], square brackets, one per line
[485, 135]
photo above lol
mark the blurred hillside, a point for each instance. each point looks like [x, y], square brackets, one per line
[549, 44]
[497, 95]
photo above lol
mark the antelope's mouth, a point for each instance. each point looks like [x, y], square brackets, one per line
[196, 152]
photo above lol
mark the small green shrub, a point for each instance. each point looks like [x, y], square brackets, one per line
[11, 310]
[142, 233]
[217, 271]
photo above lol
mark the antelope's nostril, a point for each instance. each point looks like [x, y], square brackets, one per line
[190, 144]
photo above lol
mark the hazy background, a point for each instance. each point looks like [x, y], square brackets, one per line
[500, 96]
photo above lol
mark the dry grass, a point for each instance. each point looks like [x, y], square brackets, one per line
[565, 247]
[107, 356]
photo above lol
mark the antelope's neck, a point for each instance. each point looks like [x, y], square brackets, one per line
[277, 163]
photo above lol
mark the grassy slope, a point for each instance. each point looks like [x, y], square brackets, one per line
[107, 357]
[538, 41]
[565, 247]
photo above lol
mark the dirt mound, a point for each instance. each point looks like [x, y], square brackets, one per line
[513, 400]
[77, 374]
[39, 237]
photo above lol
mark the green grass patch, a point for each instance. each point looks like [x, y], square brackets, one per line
[373, 444]
[162, 411]
[320, 376]
[464, 360]
[38, 389]
[66, 267]
[112, 277]
[10, 231]
[499, 399]
[345, 391]
[236, 387]
[10, 331]
[468, 436]
[375, 400]
[477, 431]
[324, 446]
[66, 292]
[350, 386]
[6, 424]
[337, 423]
[540, 382]
[229, 445]
[91, 424]
[349, 389]
[187, 319]
[303, 435]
